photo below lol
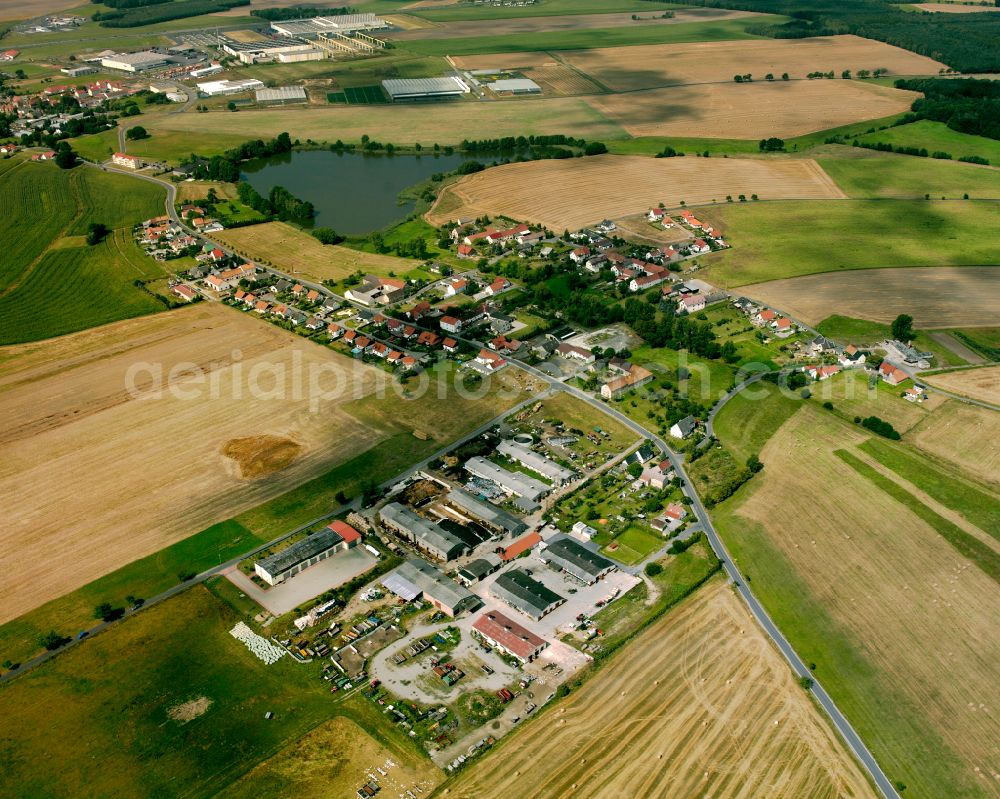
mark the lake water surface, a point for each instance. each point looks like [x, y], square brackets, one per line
[353, 193]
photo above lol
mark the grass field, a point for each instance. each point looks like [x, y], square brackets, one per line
[51, 283]
[984, 340]
[635, 729]
[748, 420]
[542, 8]
[936, 136]
[297, 252]
[425, 123]
[782, 239]
[706, 61]
[933, 296]
[633, 546]
[708, 31]
[750, 110]
[885, 175]
[981, 384]
[878, 598]
[536, 191]
[117, 711]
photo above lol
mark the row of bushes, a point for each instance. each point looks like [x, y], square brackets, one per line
[920, 152]
[163, 12]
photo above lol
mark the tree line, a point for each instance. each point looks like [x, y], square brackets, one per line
[297, 12]
[129, 16]
[967, 105]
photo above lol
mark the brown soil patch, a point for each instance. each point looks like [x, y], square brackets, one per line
[259, 456]
[726, 720]
[751, 110]
[246, 36]
[578, 192]
[189, 711]
[559, 79]
[637, 228]
[934, 296]
[644, 66]
[187, 191]
[981, 384]
[119, 429]
[912, 607]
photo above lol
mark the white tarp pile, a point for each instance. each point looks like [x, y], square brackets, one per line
[260, 646]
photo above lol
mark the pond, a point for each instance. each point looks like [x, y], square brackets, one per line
[353, 193]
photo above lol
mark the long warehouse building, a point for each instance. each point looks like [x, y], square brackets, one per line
[415, 578]
[572, 557]
[400, 89]
[546, 467]
[426, 536]
[512, 482]
[496, 519]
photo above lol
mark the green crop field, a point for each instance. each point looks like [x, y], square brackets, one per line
[722, 30]
[936, 136]
[543, 8]
[984, 340]
[779, 239]
[908, 176]
[114, 702]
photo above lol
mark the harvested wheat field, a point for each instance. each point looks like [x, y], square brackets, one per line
[725, 719]
[562, 80]
[939, 296]
[615, 186]
[954, 8]
[505, 60]
[644, 66]
[751, 110]
[26, 9]
[292, 250]
[902, 625]
[114, 440]
[501, 26]
[195, 190]
[980, 384]
[965, 436]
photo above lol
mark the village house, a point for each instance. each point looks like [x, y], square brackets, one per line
[451, 324]
[579, 255]
[684, 427]
[449, 345]
[376, 290]
[657, 476]
[671, 518]
[643, 282]
[466, 251]
[636, 377]
[428, 339]
[498, 286]
[783, 327]
[456, 286]
[336, 331]
[127, 161]
[891, 374]
[656, 214]
[821, 345]
[577, 353]
[851, 356]
[699, 247]
[763, 317]
[692, 303]
[821, 372]
[490, 360]
[915, 393]
[419, 310]
[504, 345]
[186, 293]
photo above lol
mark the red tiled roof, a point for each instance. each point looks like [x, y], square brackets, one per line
[345, 531]
[521, 545]
[508, 633]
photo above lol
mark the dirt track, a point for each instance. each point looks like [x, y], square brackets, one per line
[699, 705]
[574, 193]
[93, 478]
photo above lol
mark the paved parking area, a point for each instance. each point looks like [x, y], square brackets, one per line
[327, 574]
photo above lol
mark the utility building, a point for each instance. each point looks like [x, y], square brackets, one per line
[417, 578]
[524, 593]
[426, 536]
[572, 557]
[299, 556]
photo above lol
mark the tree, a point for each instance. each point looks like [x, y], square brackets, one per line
[52, 640]
[771, 145]
[136, 133]
[96, 233]
[769, 76]
[652, 569]
[595, 148]
[66, 158]
[104, 611]
[326, 235]
[784, 76]
[846, 74]
[738, 78]
[902, 327]
[635, 469]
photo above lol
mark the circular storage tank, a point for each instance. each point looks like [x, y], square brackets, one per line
[524, 439]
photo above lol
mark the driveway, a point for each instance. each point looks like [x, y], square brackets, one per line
[330, 573]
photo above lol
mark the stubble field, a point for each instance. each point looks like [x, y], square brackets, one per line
[645, 66]
[961, 437]
[897, 619]
[123, 477]
[954, 8]
[724, 719]
[981, 384]
[614, 186]
[751, 110]
[301, 254]
[933, 296]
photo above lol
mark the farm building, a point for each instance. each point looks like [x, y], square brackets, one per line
[282, 95]
[400, 89]
[135, 62]
[299, 556]
[684, 427]
[524, 593]
[570, 556]
[426, 536]
[490, 515]
[515, 86]
[505, 634]
[415, 578]
[127, 161]
[476, 570]
[547, 468]
[637, 376]
[527, 488]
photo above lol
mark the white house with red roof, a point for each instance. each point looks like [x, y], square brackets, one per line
[821, 372]
[699, 247]
[186, 293]
[579, 255]
[498, 286]
[451, 324]
[491, 360]
[456, 286]
[763, 317]
[127, 161]
[692, 303]
[892, 374]
[783, 326]
[656, 214]
[642, 282]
